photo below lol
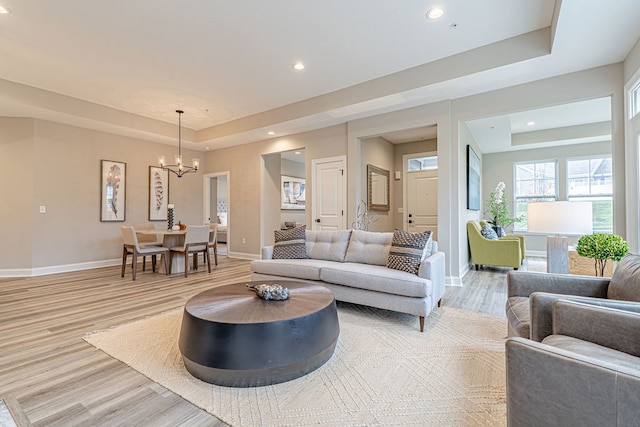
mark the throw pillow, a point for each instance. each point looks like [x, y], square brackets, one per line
[489, 233]
[290, 244]
[406, 250]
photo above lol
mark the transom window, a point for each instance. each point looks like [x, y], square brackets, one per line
[422, 163]
[535, 182]
[591, 180]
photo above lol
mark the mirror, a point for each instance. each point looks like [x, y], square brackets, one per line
[378, 188]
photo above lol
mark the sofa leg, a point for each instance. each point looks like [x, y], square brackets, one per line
[421, 323]
[476, 267]
[440, 302]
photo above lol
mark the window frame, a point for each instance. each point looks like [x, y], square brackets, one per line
[592, 197]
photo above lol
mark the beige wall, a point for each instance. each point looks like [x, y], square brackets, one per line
[245, 164]
[378, 152]
[17, 209]
[66, 179]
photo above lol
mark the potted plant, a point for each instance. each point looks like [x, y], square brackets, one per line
[498, 210]
[602, 247]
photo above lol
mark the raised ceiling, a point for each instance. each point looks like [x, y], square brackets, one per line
[125, 66]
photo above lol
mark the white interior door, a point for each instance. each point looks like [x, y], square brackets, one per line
[329, 194]
[422, 202]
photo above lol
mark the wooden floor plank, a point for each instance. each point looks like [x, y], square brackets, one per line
[56, 378]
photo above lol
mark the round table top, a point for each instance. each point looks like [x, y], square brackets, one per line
[237, 303]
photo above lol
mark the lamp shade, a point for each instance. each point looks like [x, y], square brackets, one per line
[562, 218]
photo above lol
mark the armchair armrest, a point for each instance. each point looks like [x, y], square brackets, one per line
[523, 284]
[267, 252]
[609, 327]
[541, 310]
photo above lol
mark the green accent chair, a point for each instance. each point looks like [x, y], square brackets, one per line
[508, 251]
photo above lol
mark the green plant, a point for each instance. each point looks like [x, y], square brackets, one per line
[498, 208]
[602, 247]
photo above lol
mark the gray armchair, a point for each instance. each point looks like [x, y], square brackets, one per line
[586, 373]
[530, 295]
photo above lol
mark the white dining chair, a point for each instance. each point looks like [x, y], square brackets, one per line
[146, 239]
[131, 246]
[196, 240]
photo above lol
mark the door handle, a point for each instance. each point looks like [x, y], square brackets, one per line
[410, 221]
[318, 220]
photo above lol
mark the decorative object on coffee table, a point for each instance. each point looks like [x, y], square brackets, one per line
[270, 292]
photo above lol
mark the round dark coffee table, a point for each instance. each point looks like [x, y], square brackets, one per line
[232, 337]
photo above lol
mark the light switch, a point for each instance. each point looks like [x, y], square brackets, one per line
[400, 209]
[43, 209]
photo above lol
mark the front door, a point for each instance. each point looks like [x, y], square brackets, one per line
[422, 202]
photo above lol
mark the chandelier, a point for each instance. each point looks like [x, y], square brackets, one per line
[179, 168]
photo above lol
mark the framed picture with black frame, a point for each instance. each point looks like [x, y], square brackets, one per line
[473, 180]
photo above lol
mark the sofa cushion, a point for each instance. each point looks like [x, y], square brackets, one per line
[308, 269]
[376, 278]
[329, 245]
[368, 247]
[290, 244]
[407, 250]
[625, 282]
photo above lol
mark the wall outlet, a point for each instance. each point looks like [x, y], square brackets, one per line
[244, 241]
[43, 209]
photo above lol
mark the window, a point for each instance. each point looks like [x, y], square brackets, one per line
[422, 163]
[535, 182]
[591, 180]
[634, 98]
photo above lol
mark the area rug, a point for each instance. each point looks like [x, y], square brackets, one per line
[384, 372]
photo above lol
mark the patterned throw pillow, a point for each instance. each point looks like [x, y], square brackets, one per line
[489, 233]
[290, 244]
[406, 250]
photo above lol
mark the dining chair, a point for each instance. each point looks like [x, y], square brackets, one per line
[196, 240]
[132, 247]
[213, 241]
[146, 240]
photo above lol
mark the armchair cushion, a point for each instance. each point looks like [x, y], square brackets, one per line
[489, 233]
[625, 283]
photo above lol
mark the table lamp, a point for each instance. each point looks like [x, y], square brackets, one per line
[557, 220]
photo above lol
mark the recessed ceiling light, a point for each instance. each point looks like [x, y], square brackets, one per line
[297, 152]
[531, 123]
[271, 132]
[298, 66]
[4, 10]
[434, 13]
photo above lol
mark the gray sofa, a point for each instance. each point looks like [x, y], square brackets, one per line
[585, 373]
[353, 265]
[531, 295]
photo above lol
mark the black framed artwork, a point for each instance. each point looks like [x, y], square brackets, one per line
[473, 180]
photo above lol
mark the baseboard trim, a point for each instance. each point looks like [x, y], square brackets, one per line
[537, 254]
[243, 255]
[453, 281]
[65, 268]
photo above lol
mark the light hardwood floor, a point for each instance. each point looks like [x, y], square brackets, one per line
[55, 378]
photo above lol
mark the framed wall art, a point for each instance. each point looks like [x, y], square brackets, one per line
[158, 193]
[113, 194]
[473, 180]
[293, 192]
